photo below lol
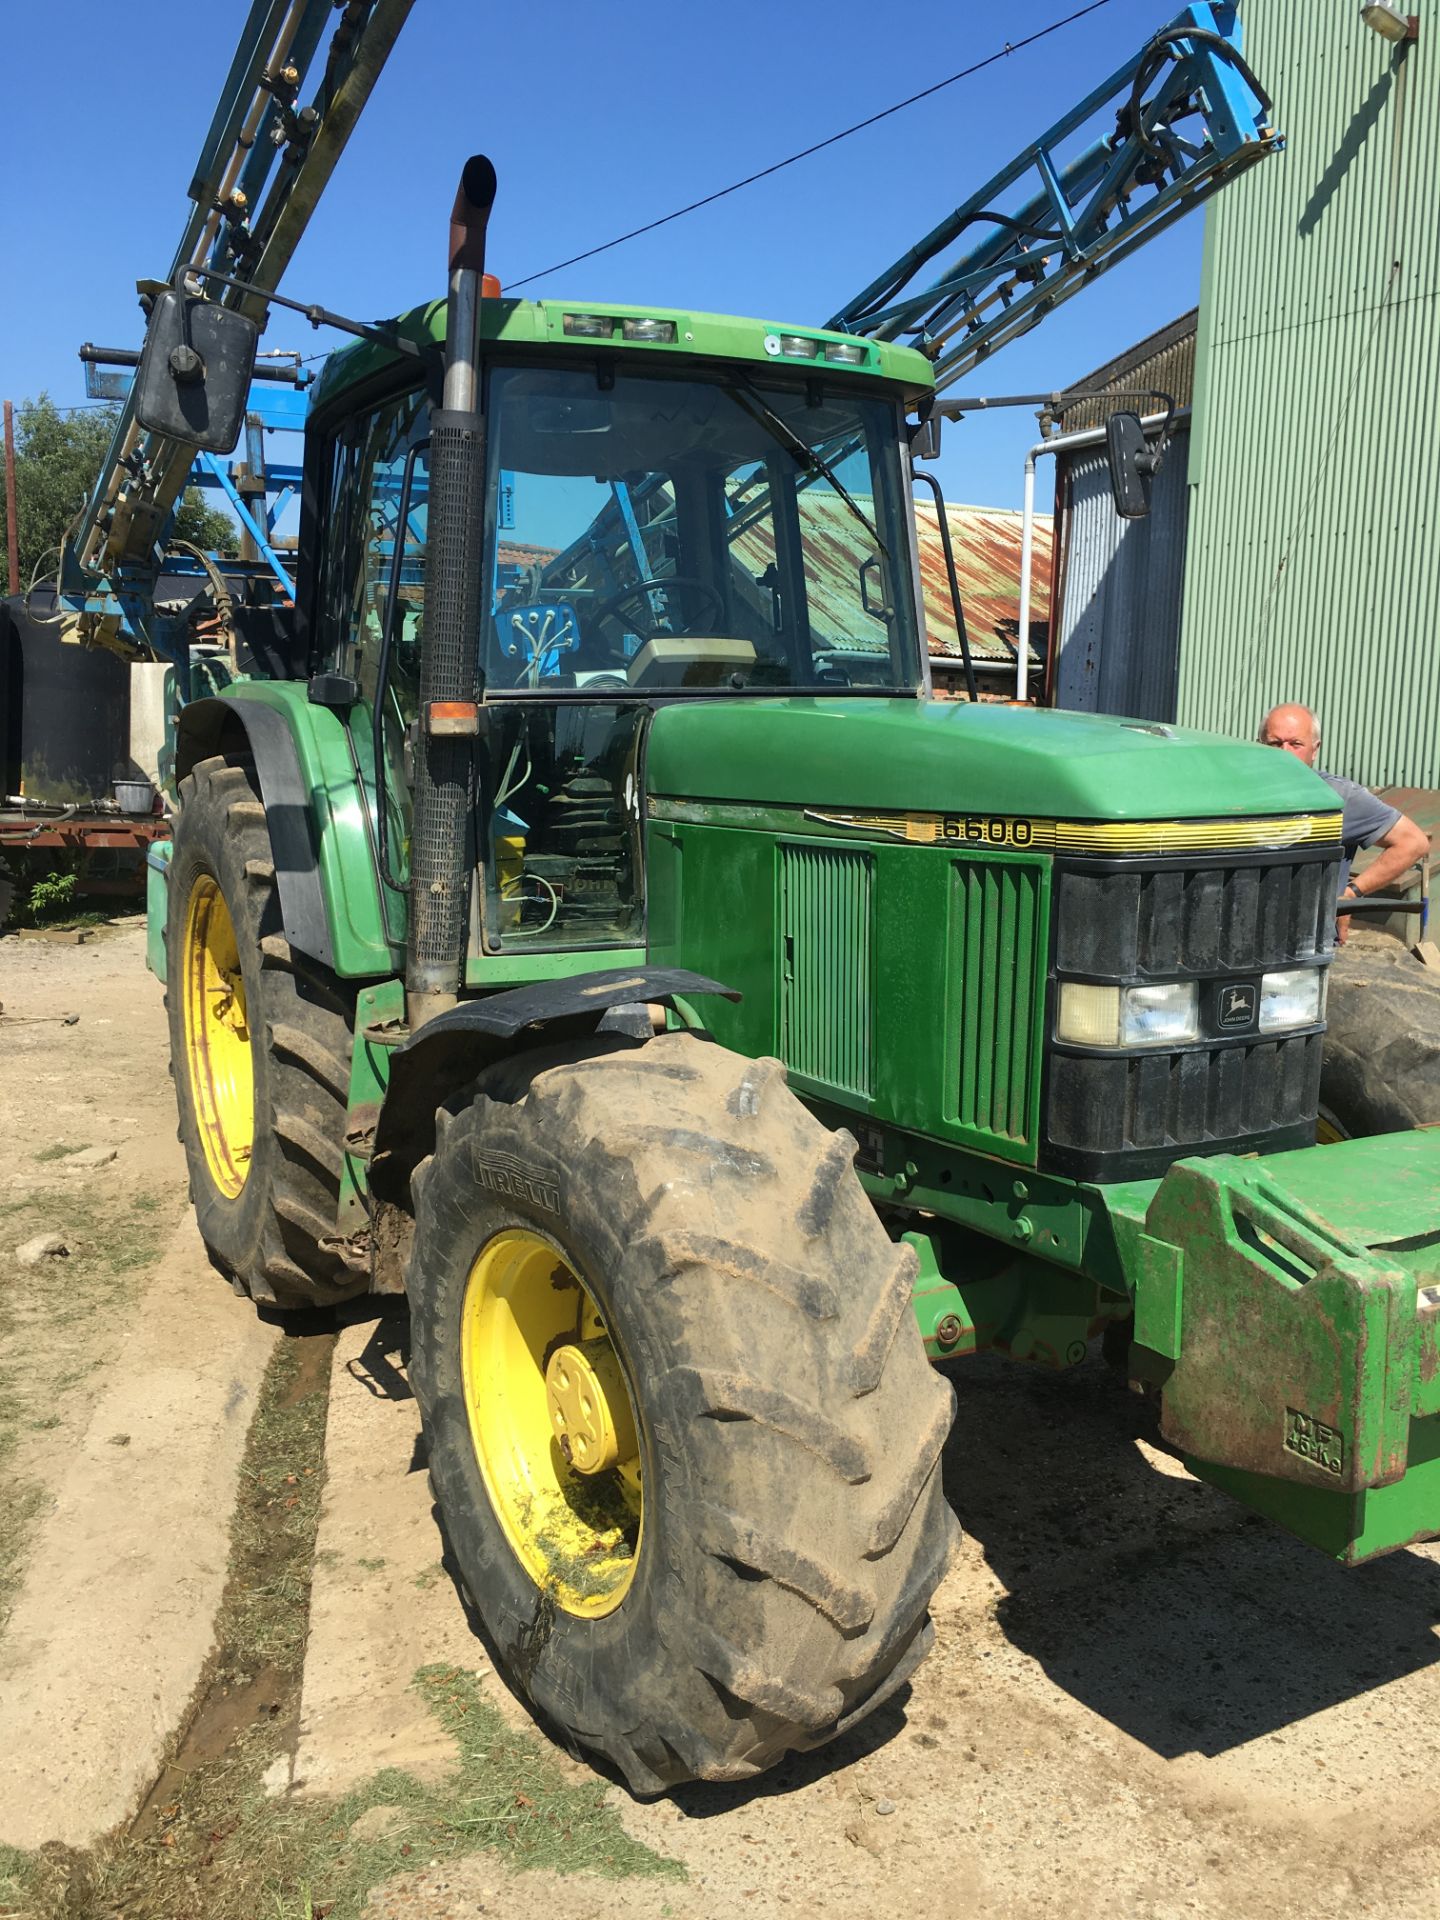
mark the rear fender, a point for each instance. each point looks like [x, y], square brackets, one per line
[318, 814]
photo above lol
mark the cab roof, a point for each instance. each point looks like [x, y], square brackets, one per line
[697, 336]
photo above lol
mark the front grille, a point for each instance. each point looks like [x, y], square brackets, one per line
[1118, 1115]
[996, 943]
[1192, 1101]
[1126, 925]
[825, 987]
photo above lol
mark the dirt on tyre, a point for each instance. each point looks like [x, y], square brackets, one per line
[1381, 1071]
[260, 1043]
[682, 1431]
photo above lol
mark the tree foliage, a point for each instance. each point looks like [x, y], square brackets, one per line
[57, 456]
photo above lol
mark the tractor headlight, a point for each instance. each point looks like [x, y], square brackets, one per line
[1295, 998]
[661, 331]
[1158, 1016]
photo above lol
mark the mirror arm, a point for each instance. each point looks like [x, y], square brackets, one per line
[318, 316]
[1153, 458]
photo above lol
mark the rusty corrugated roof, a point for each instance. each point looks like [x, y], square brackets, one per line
[986, 541]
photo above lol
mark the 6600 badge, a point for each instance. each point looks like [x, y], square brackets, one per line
[986, 830]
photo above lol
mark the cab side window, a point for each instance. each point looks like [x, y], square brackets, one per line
[375, 505]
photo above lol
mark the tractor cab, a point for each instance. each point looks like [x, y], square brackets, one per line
[657, 527]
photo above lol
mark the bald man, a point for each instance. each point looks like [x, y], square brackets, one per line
[1368, 821]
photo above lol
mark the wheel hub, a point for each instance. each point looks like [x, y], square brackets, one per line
[217, 1034]
[552, 1422]
[589, 1407]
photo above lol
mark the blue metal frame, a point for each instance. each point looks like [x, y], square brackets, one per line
[272, 407]
[1083, 214]
[263, 164]
[259, 534]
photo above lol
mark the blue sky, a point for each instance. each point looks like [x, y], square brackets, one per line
[598, 119]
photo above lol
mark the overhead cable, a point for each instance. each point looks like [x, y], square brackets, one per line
[1015, 46]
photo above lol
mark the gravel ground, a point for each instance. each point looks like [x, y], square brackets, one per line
[1141, 1703]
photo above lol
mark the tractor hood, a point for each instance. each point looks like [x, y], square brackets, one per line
[952, 757]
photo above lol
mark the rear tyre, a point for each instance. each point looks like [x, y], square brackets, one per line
[1381, 1070]
[655, 1249]
[260, 1042]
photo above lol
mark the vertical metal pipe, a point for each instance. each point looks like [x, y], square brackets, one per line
[1027, 543]
[462, 325]
[451, 681]
[12, 530]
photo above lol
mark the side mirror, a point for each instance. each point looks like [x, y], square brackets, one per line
[194, 375]
[925, 437]
[1132, 465]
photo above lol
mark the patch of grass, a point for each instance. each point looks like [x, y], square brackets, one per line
[370, 1566]
[19, 1877]
[55, 1152]
[507, 1795]
[18, 1513]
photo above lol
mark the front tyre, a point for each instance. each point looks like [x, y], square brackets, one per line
[1381, 1064]
[682, 1433]
[260, 1043]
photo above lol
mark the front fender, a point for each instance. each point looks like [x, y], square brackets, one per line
[451, 1051]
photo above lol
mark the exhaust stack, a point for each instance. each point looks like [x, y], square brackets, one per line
[451, 682]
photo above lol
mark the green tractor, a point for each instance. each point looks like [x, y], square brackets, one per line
[604, 938]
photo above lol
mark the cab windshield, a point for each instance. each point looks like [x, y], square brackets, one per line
[720, 534]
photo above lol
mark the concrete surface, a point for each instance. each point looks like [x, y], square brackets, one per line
[114, 1622]
[381, 1605]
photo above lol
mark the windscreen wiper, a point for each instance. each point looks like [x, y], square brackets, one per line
[806, 458]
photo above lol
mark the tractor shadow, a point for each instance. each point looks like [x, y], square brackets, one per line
[1150, 1598]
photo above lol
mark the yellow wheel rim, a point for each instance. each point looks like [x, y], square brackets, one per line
[552, 1420]
[217, 1039]
[1328, 1129]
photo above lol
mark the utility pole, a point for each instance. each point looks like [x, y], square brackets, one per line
[12, 530]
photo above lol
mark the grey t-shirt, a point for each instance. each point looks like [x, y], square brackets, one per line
[1367, 818]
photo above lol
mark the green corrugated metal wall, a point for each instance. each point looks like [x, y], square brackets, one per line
[1313, 570]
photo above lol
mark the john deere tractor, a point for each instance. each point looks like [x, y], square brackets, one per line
[603, 937]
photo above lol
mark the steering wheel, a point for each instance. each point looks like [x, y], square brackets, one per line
[708, 601]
